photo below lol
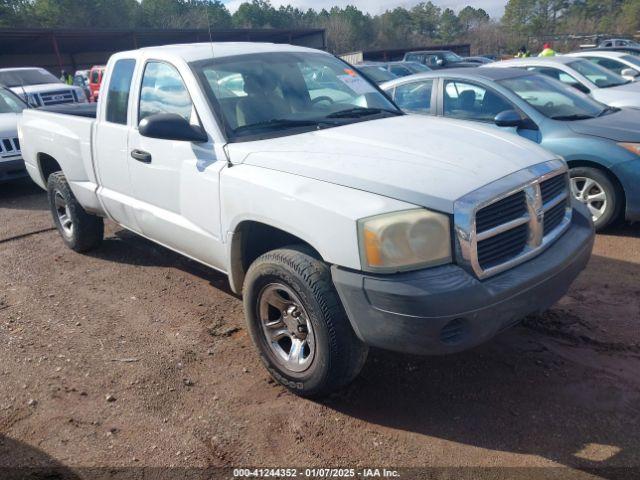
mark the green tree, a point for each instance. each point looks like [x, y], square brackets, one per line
[450, 26]
[471, 18]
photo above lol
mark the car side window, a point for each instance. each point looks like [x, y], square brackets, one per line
[118, 92]
[415, 96]
[472, 102]
[163, 91]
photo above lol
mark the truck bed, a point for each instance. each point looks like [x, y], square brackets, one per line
[88, 110]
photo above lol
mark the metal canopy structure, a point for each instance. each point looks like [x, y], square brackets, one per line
[73, 49]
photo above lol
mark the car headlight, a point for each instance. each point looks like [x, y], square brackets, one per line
[632, 147]
[404, 240]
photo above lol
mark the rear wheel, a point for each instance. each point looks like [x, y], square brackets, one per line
[79, 230]
[298, 324]
[593, 188]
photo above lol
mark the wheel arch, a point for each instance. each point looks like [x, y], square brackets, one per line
[252, 238]
[47, 165]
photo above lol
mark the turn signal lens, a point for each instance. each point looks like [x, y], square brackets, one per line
[404, 241]
[632, 147]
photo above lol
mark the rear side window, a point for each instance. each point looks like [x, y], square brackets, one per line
[415, 96]
[118, 93]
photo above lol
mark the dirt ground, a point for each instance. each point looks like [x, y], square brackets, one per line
[132, 356]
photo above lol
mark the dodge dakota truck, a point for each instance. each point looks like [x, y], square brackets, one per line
[343, 223]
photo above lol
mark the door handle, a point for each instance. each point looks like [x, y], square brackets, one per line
[141, 156]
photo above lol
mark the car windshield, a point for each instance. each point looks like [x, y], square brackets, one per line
[376, 74]
[32, 76]
[10, 103]
[631, 59]
[553, 98]
[599, 76]
[283, 93]
[416, 67]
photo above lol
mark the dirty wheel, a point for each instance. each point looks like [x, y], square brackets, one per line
[298, 324]
[79, 230]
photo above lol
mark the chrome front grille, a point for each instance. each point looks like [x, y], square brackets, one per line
[9, 147]
[513, 219]
[57, 97]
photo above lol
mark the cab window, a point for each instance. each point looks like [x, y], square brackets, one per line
[472, 102]
[163, 91]
[118, 92]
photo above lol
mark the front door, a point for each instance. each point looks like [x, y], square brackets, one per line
[175, 183]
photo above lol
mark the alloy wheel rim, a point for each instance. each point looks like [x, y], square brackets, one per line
[64, 215]
[591, 193]
[286, 327]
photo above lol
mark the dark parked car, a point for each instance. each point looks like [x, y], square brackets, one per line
[403, 69]
[376, 72]
[437, 59]
[478, 60]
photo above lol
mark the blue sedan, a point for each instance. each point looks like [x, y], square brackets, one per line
[601, 144]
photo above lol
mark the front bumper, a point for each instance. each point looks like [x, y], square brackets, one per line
[12, 170]
[446, 310]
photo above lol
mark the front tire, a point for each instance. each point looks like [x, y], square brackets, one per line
[79, 230]
[297, 322]
[594, 188]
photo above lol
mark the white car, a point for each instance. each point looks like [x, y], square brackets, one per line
[621, 63]
[11, 163]
[343, 222]
[602, 84]
[39, 88]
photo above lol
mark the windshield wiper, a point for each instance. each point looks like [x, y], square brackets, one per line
[575, 116]
[358, 112]
[283, 123]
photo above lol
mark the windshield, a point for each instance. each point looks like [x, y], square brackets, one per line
[553, 98]
[10, 103]
[597, 75]
[282, 93]
[32, 76]
[377, 74]
[631, 59]
[416, 67]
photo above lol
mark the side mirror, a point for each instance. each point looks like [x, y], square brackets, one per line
[630, 73]
[508, 118]
[440, 62]
[171, 126]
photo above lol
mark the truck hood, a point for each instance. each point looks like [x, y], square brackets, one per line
[425, 161]
[8, 125]
[621, 126]
[627, 95]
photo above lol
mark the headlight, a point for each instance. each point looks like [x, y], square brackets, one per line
[632, 147]
[404, 241]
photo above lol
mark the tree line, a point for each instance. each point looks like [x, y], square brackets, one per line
[347, 28]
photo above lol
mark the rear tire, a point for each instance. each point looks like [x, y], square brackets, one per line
[594, 188]
[79, 230]
[298, 324]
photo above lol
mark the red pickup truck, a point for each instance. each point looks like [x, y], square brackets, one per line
[95, 80]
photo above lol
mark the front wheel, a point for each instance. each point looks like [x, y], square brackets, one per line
[79, 230]
[593, 188]
[298, 324]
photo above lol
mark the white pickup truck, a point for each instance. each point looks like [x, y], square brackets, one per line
[343, 222]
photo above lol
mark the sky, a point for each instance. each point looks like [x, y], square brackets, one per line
[495, 8]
